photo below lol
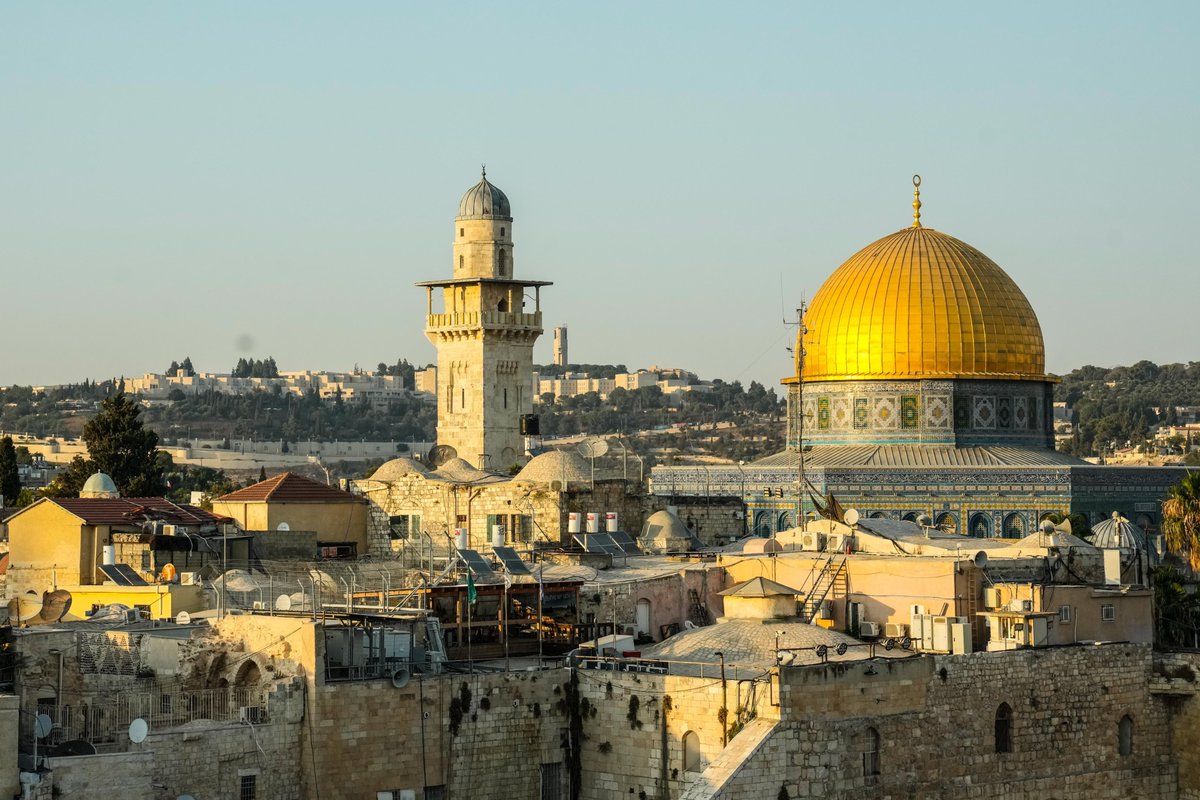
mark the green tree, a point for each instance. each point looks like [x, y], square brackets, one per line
[119, 446]
[10, 479]
[1181, 519]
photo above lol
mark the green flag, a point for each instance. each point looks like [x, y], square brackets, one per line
[470, 587]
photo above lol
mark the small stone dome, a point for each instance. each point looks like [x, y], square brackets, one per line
[555, 465]
[484, 201]
[99, 485]
[664, 532]
[460, 470]
[398, 468]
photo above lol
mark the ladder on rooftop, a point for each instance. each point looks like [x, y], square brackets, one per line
[831, 578]
[435, 654]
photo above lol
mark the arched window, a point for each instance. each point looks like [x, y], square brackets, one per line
[762, 523]
[980, 527]
[1014, 526]
[878, 515]
[502, 306]
[785, 521]
[911, 516]
[1004, 743]
[1125, 736]
[946, 522]
[691, 752]
[870, 756]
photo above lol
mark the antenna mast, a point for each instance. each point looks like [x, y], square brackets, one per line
[801, 331]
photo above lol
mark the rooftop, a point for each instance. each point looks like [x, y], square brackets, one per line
[287, 487]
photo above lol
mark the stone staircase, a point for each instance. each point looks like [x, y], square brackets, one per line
[746, 762]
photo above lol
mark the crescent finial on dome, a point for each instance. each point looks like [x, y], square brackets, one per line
[916, 201]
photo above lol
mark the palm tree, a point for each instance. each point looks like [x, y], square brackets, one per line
[1181, 519]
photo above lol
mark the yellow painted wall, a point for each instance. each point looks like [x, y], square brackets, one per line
[332, 522]
[45, 543]
[164, 600]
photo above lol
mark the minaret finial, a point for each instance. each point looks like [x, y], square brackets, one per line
[483, 171]
[916, 201]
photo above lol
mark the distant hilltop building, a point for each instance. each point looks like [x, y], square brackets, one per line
[573, 384]
[560, 346]
[350, 386]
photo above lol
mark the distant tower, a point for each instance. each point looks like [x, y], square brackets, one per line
[560, 346]
[484, 337]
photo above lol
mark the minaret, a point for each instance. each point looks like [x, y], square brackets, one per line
[484, 336]
[560, 346]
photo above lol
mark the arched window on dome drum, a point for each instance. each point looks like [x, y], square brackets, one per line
[691, 752]
[762, 523]
[785, 521]
[1004, 720]
[878, 515]
[911, 516]
[1014, 526]
[870, 756]
[1125, 736]
[946, 522]
[980, 526]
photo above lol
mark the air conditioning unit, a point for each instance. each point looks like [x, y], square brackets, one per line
[189, 578]
[833, 543]
[991, 597]
[868, 630]
[895, 630]
[813, 541]
[826, 610]
[168, 530]
[251, 714]
[260, 605]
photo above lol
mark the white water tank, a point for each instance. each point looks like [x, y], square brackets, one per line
[593, 522]
[110, 554]
[573, 520]
[611, 522]
[462, 540]
[498, 535]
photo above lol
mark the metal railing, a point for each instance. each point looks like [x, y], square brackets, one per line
[655, 666]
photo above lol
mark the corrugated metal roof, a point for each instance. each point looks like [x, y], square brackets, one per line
[288, 487]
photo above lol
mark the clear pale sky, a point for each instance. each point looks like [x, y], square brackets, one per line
[186, 179]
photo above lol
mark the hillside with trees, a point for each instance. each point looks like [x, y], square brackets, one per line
[1118, 406]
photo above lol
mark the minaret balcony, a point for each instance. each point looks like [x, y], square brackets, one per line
[486, 320]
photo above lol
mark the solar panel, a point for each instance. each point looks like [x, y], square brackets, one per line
[478, 565]
[511, 561]
[600, 543]
[625, 542]
[122, 575]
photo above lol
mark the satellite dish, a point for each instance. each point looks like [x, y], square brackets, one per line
[851, 516]
[400, 678]
[183, 618]
[925, 521]
[24, 607]
[283, 526]
[55, 606]
[980, 559]
[441, 453]
[593, 447]
[556, 486]
[138, 730]
[168, 573]
[283, 603]
[42, 726]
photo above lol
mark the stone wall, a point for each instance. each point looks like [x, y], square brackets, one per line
[1175, 681]
[483, 736]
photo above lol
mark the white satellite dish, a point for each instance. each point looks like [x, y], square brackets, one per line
[42, 726]
[283, 603]
[593, 447]
[183, 618]
[283, 526]
[852, 516]
[138, 730]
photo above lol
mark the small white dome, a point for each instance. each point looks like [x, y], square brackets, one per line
[99, 485]
[555, 465]
[398, 468]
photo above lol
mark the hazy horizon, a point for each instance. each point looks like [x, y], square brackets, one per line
[184, 180]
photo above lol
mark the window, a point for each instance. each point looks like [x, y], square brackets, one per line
[404, 526]
[462, 399]
[691, 752]
[248, 787]
[1108, 612]
[462, 261]
[435, 792]
[501, 230]
[1004, 729]
[146, 560]
[870, 756]
[506, 398]
[980, 526]
[1125, 736]
[1064, 613]
[336, 550]
[462, 232]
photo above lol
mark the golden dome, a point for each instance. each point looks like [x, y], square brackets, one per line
[920, 304]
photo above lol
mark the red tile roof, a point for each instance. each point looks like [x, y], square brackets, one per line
[118, 510]
[287, 487]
